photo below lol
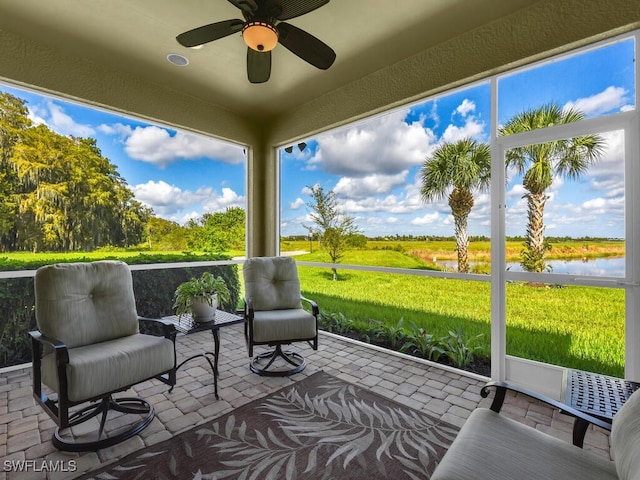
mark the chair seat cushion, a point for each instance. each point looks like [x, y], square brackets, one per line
[283, 325]
[491, 446]
[113, 365]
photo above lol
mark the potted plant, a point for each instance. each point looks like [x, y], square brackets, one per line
[200, 297]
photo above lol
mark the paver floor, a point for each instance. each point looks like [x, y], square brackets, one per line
[25, 430]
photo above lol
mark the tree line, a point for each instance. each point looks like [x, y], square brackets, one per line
[60, 193]
[212, 232]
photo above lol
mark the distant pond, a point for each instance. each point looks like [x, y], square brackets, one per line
[606, 267]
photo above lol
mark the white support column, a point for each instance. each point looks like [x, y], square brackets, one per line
[632, 253]
[498, 246]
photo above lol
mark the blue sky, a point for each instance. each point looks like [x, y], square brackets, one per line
[373, 165]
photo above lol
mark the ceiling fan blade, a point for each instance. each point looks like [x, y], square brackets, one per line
[258, 65]
[306, 46]
[295, 8]
[209, 33]
[248, 6]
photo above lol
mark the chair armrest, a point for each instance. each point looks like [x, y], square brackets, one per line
[59, 348]
[581, 422]
[314, 306]
[248, 309]
[158, 328]
[57, 409]
[501, 390]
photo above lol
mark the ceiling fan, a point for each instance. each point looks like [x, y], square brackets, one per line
[262, 29]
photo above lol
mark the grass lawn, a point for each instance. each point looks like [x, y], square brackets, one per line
[578, 327]
[572, 326]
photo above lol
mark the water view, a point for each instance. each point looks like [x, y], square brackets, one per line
[607, 266]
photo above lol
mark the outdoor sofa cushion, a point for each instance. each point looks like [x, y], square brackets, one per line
[625, 439]
[493, 446]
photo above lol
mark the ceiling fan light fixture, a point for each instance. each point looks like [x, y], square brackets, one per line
[260, 36]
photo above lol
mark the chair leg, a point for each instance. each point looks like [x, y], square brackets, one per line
[130, 405]
[296, 360]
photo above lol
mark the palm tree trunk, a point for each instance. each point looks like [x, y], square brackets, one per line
[461, 202]
[462, 243]
[533, 260]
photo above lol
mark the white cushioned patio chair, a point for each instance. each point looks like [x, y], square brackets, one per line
[275, 316]
[88, 346]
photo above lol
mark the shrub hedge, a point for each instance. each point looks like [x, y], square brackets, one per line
[153, 290]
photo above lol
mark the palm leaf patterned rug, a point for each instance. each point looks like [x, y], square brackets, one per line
[319, 428]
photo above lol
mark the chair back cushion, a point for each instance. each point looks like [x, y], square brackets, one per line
[85, 303]
[625, 439]
[271, 283]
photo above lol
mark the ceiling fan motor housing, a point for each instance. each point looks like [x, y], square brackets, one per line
[263, 27]
[260, 35]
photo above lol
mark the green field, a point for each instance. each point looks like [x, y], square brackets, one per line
[479, 251]
[578, 327]
[572, 326]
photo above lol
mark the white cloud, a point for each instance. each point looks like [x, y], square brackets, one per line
[117, 129]
[465, 107]
[218, 203]
[350, 187]
[611, 99]
[384, 145]
[428, 219]
[395, 204]
[296, 204]
[596, 204]
[472, 128]
[608, 172]
[53, 116]
[173, 203]
[306, 190]
[155, 145]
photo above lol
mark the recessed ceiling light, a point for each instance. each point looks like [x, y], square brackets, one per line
[177, 59]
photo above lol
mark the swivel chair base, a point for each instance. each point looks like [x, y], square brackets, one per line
[125, 405]
[296, 360]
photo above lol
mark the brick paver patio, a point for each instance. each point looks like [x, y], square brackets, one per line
[25, 430]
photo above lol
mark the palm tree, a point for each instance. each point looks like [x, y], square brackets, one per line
[540, 163]
[457, 168]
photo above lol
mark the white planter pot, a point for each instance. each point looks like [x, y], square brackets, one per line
[201, 310]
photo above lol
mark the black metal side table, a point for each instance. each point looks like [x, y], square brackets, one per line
[187, 325]
[598, 395]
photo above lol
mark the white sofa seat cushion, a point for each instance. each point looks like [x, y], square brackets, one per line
[625, 439]
[491, 446]
[283, 325]
[104, 367]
